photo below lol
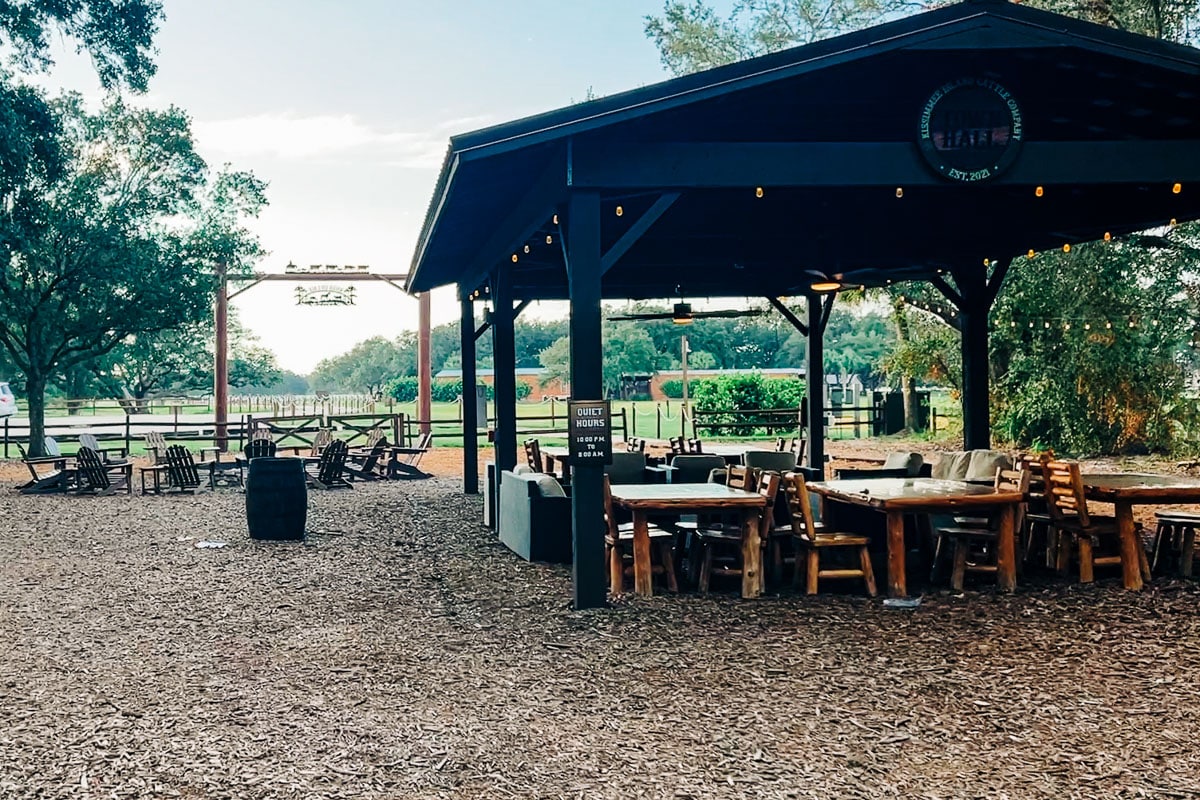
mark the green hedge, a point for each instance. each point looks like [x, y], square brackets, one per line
[404, 390]
[746, 392]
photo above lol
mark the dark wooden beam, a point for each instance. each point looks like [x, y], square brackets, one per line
[516, 312]
[996, 281]
[814, 368]
[948, 291]
[587, 383]
[977, 429]
[788, 315]
[687, 165]
[504, 378]
[643, 223]
[466, 324]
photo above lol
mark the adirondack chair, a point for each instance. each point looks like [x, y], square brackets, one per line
[329, 469]
[96, 477]
[405, 461]
[89, 440]
[367, 465]
[182, 474]
[156, 446]
[259, 448]
[58, 479]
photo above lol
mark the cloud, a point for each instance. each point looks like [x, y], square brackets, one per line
[295, 137]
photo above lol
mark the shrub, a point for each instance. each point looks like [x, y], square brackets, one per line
[747, 392]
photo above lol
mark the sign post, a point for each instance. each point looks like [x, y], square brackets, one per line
[589, 432]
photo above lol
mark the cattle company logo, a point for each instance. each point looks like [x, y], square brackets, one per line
[971, 130]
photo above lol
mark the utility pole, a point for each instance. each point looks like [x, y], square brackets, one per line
[221, 365]
[684, 413]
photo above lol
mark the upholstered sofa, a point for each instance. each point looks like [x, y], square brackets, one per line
[535, 517]
[970, 465]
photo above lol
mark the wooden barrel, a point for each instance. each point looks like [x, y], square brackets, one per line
[276, 499]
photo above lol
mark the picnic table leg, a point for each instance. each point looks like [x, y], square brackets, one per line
[641, 554]
[897, 582]
[752, 577]
[1130, 564]
[1006, 551]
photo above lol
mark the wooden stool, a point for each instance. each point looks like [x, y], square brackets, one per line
[1175, 536]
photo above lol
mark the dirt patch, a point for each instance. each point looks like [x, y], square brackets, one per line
[402, 652]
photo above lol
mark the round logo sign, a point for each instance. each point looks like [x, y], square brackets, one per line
[971, 130]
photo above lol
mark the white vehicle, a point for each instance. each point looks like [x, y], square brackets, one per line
[8, 403]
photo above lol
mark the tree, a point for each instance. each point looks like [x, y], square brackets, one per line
[121, 246]
[366, 368]
[694, 37]
[628, 350]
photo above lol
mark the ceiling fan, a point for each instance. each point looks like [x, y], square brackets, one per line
[682, 314]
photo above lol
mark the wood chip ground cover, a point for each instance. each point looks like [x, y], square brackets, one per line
[402, 653]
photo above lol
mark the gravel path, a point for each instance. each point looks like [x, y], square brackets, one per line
[402, 653]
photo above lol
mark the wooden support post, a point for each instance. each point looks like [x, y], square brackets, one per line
[221, 362]
[814, 372]
[470, 418]
[504, 379]
[976, 414]
[424, 364]
[587, 483]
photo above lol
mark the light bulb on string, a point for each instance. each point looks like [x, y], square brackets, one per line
[1067, 247]
[1177, 188]
[1087, 326]
[514, 258]
[758, 191]
[1030, 254]
[555, 220]
[1108, 326]
[1038, 192]
[549, 239]
[526, 248]
[899, 191]
[1107, 236]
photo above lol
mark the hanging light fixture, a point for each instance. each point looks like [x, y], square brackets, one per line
[825, 286]
[682, 314]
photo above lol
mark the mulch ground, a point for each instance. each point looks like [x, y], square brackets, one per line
[400, 652]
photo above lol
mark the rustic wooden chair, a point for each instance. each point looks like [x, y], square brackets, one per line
[812, 539]
[973, 540]
[799, 445]
[93, 476]
[89, 440]
[695, 446]
[678, 445]
[329, 469]
[1039, 538]
[533, 455]
[1175, 540]
[1078, 530]
[781, 444]
[722, 547]
[182, 475]
[635, 444]
[60, 478]
[618, 548]
[735, 477]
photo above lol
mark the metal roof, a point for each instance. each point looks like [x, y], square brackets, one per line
[828, 131]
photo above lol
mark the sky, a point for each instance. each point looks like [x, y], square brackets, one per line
[345, 108]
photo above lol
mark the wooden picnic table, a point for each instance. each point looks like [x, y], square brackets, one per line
[688, 498]
[1128, 489]
[896, 497]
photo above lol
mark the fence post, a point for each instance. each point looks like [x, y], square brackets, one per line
[128, 438]
[658, 420]
[6, 437]
[634, 408]
[396, 429]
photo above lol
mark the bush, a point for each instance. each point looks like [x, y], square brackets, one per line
[674, 388]
[402, 390]
[747, 392]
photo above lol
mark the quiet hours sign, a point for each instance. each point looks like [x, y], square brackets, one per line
[589, 432]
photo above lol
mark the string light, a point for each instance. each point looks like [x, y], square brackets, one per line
[899, 191]
[1177, 188]
[526, 248]
[1038, 192]
[1108, 326]
[1107, 236]
[1173, 222]
[1030, 254]
[514, 258]
[555, 219]
[987, 262]
[758, 191]
[620, 211]
[1067, 248]
[549, 239]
